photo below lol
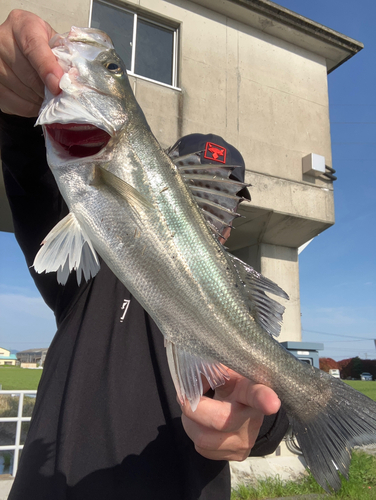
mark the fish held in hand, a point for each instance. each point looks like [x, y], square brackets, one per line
[155, 219]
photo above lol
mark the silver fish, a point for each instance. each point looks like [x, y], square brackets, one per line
[156, 226]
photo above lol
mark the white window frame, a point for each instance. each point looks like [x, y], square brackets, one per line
[175, 48]
[19, 419]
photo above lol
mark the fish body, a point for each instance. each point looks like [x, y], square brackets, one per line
[144, 215]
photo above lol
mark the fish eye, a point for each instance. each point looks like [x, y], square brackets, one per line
[114, 68]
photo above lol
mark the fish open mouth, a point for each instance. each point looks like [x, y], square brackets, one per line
[78, 140]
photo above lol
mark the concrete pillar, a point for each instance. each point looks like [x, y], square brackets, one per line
[281, 265]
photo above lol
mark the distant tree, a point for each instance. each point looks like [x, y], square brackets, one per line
[327, 364]
[345, 366]
[357, 367]
[350, 367]
[369, 365]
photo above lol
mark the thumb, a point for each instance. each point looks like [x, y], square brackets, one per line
[32, 37]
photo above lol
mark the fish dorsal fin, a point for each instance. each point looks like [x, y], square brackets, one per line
[214, 183]
[67, 248]
[212, 188]
[224, 215]
[266, 311]
[186, 370]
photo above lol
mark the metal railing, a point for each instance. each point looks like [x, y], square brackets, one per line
[17, 416]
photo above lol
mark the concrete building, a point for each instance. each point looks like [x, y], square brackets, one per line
[32, 358]
[250, 71]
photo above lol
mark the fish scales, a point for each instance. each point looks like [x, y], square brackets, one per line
[177, 249]
[130, 204]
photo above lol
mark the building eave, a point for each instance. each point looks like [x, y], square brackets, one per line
[289, 26]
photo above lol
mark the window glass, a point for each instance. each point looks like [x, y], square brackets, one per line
[118, 24]
[154, 52]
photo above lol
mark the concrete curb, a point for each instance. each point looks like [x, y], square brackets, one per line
[6, 483]
[256, 468]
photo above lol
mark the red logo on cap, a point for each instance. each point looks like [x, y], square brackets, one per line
[215, 152]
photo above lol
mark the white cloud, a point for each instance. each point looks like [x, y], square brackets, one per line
[336, 315]
[18, 303]
[25, 322]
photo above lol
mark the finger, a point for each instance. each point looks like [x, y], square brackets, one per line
[9, 80]
[42, 59]
[222, 416]
[222, 446]
[248, 393]
[228, 455]
[257, 396]
[27, 74]
[32, 37]
[13, 104]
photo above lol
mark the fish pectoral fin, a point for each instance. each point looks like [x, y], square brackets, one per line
[266, 311]
[67, 248]
[133, 197]
[186, 370]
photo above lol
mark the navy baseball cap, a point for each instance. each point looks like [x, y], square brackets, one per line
[214, 149]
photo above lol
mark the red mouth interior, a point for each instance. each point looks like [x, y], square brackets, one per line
[78, 140]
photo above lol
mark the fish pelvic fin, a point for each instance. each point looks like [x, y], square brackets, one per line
[67, 248]
[266, 311]
[326, 432]
[186, 370]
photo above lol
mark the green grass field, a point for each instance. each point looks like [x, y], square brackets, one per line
[368, 388]
[14, 377]
[360, 486]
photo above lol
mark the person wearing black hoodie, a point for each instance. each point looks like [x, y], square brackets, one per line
[106, 423]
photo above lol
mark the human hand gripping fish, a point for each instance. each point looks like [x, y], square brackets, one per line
[26, 64]
[225, 427]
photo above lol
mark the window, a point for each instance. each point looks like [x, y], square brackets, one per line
[148, 48]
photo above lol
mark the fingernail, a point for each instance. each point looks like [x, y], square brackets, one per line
[52, 82]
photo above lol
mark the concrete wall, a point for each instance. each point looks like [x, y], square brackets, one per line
[60, 15]
[263, 94]
[270, 99]
[8, 362]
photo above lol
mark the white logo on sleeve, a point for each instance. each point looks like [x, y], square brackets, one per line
[124, 308]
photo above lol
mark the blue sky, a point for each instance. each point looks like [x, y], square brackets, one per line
[337, 270]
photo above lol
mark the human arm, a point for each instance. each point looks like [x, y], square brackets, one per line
[242, 416]
[27, 63]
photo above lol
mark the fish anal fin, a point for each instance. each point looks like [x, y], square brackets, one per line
[186, 370]
[67, 248]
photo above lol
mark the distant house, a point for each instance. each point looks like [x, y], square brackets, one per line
[6, 358]
[31, 358]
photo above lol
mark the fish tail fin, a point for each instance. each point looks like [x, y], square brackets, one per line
[326, 432]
